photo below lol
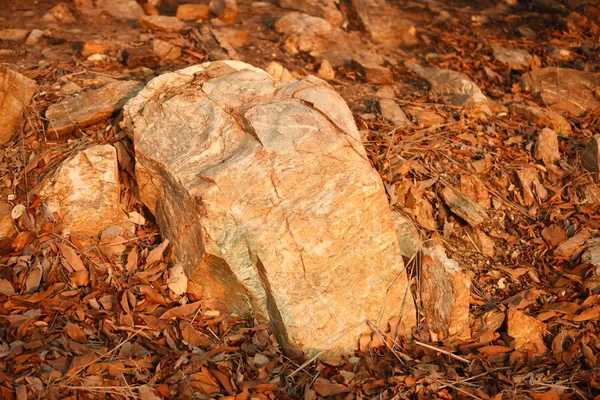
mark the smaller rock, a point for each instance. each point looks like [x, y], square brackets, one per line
[567, 248]
[165, 50]
[326, 71]
[304, 33]
[591, 255]
[385, 23]
[445, 294]
[122, 9]
[386, 92]
[193, 12]
[514, 58]
[71, 87]
[553, 235]
[14, 35]
[529, 179]
[591, 154]
[34, 37]
[59, 13]
[161, 23]
[326, 9]
[7, 227]
[524, 329]
[90, 107]
[16, 92]
[225, 10]
[543, 117]
[279, 72]
[100, 47]
[376, 74]
[409, 238]
[235, 37]
[546, 147]
[463, 206]
[393, 113]
[427, 118]
[140, 57]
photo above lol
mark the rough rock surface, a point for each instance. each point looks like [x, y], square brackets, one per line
[304, 33]
[84, 192]
[326, 9]
[192, 12]
[122, 9]
[391, 111]
[14, 34]
[546, 147]
[226, 10]
[544, 117]
[384, 23]
[272, 204]
[445, 293]
[514, 58]
[564, 88]
[59, 13]
[162, 23]
[463, 206]
[90, 107]
[16, 92]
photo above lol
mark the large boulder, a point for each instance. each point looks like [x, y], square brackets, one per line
[266, 194]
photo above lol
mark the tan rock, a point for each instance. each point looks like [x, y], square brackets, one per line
[514, 58]
[84, 192]
[463, 206]
[326, 9]
[530, 185]
[225, 10]
[279, 72]
[409, 238]
[304, 33]
[524, 329]
[236, 37]
[34, 37]
[16, 92]
[592, 254]
[161, 23]
[543, 117]
[14, 35]
[563, 88]
[426, 118]
[445, 293]
[546, 147]
[326, 71]
[59, 13]
[193, 12]
[384, 23]
[345, 47]
[122, 9]
[7, 227]
[393, 113]
[166, 50]
[591, 154]
[272, 205]
[376, 74]
[90, 107]
[100, 47]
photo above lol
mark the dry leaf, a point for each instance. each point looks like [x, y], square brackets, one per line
[6, 288]
[178, 280]
[330, 389]
[192, 336]
[71, 256]
[156, 253]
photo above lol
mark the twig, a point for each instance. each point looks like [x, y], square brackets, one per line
[446, 352]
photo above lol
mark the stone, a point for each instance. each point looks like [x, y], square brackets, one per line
[445, 293]
[279, 72]
[376, 74]
[34, 37]
[546, 147]
[122, 9]
[564, 88]
[89, 107]
[161, 23]
[326, 9]
[166, 50]
[393, 113]
[84, 193]
[7, 227]
[225, 10]
[524, 329]
[445, 82]
[140, 57]
[529, 180]
[346, 47]
[326, 71]
[543, 117]
[591, 255]
[514, 58]
[235, 37]
[426, 118]
[463, 206]
[14, 35]
[573, 244]
[59, 13]
[16, 92]
[304, 33]
[272, 205]
[384, 23]
[100, 47]
[408, 235]
[591, 154]
[193, 12]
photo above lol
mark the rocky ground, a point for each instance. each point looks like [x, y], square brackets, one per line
[482, 119]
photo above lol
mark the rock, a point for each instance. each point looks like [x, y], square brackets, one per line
[34, 37]
[100, 47]
[546, 147]
[571, 245]
[225, 10]
[591, 255]
[7, 227]
[140, 57]
[345, 47]
[445, 82]
[165, 50]
[474, 188]
[393, 113]
[543, 117]
[524, 329]
[326, 9]
[161, 23]
[84, 192]
[193, 12]
[409, 238]
[426, 118]
[304, 33]
[385, 23]
[564, 88]
[272, 201]
[529, 180]
[16, 92]
[121, 9]
[376, 74]
[237, 38]
[554, 235]
[445, 292]
[463, 206]
[591, 154]
[326, 71]
[279, 72]
[59, 13]
[14, 35]
[514, 58]
[89, 107]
